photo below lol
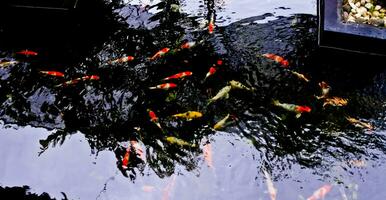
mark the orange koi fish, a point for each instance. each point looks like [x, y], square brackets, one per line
[122, 60]
[212, 70]
[211, 24]
[187, 45]
[320, 193]
[272, 191]
[277, 59]
[164, 86]
[208, 155]
[154, 118]
[53, 73]
[300, 76]
[168, 188]
[325, 90]
[27, 53]
[160, 53]
[179, 75]
[293, 108]
[138, 149]
[359, 124]
[125, 160]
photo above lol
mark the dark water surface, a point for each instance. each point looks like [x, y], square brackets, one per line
[69, 141]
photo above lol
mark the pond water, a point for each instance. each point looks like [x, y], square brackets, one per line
[70, 140]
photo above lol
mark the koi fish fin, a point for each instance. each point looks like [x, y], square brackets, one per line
[298, 115]
[227, 96]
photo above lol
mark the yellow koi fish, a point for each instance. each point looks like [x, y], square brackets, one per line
[190, 115]
[335, 101]
[238, 85]
[221, 124]
[223, 93]
[177, 141]
[300, 76]
[359, 124]
[8, 63]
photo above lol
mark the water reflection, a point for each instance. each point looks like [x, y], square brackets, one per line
[112, 111]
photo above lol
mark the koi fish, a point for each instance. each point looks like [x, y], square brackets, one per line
[125, 160]
[53, 73]
[211, 24]
[320, 193]
[138, 149]
[325, 90]
[219, 62]
[179, 75]
[223, 93]
[27, 53]
[92, 77]
[165, 86]
[148, 188]
[68, 83]
[221, 124]
[237, 85]
[154, 118]
[359, 124]
[190, 115]
[208, 155]
[122, 60]
[357, 163]
[168, 188]
[335, 101]
[277, 59]
[293, 108]
[8, 63]
[300, 76]
[188, 45]
[212, 70]
[271, 189]
[160, 53]
[180, 142]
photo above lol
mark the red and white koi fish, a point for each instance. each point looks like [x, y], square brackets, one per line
[8, 63]
[122, 60]
[325, 90]
[277, 59]
[27, 53]
[188, 45]
[272, 191]
[207, 150]
[154, 118]
[53, 73]
[293, 108]
[320, 193]
[300, 76]
[179, 75]
[211, 24]
[138, 149]
[165, 86]
[212, 70]
[160, 53]
[126, 157]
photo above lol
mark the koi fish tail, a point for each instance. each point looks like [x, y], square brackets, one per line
[152, 88]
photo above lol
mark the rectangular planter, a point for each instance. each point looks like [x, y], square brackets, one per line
[336, 34]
